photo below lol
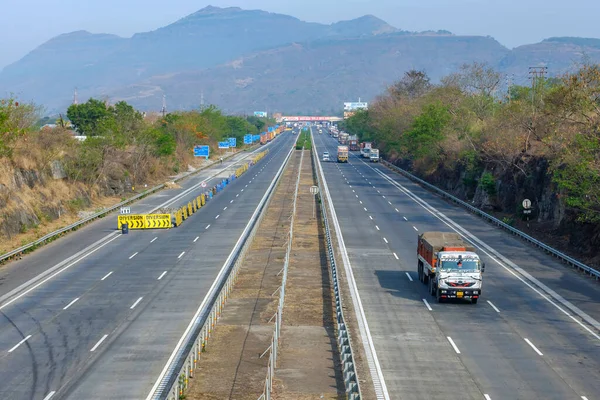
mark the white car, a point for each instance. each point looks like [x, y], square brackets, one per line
[326, 156]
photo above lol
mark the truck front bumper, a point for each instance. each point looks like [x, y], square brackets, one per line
[453, 293]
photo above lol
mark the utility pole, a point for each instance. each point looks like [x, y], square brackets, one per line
[537, 75]
[75, 99]
[164, 106]
[201, 100]
[509, 79]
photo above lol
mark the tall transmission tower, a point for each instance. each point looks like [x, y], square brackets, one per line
[164, 106]
[75, 97]
[537, 76]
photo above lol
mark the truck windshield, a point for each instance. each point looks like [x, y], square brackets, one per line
[459, 265]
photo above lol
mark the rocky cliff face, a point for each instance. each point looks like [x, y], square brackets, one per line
[30, 197]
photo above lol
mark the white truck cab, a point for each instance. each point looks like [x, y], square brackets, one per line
[325, 156]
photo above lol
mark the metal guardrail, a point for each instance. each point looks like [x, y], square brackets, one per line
[272, 364]
[344, 340]
[59, 232]
[563, 257]
[175, 381]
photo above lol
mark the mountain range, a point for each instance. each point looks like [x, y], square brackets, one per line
[250, 60]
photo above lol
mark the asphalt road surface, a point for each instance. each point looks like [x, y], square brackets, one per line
[104, 322]
[518, 342]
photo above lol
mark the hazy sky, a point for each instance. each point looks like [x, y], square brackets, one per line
[25, 24]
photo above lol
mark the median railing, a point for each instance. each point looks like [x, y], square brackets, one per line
[344, 341]
[76, 225]
[174, 382]
[272, 349]
[561, 256]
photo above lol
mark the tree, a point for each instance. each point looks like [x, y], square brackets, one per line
[90, 118]
[412, 85]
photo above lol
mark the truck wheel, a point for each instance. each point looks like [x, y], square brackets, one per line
[474, 301]
[432, 290]
[425, 278]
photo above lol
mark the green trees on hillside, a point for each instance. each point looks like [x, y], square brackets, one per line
[466, 122]
[120, 143]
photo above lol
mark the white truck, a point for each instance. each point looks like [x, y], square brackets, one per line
[365, 149]
[374, 155]
[450, 266]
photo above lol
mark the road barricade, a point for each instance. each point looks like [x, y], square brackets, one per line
[145, 221]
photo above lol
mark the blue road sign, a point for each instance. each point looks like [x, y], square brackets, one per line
[224, 145]
[255, 138]
[248, 139]
[201, 151]
[232, 142]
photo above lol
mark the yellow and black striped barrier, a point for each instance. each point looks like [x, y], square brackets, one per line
[144, 221]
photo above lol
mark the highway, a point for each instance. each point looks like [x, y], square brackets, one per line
[103, 324]
[518, 342]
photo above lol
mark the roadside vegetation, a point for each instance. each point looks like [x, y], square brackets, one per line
[494, 149]
[47, 174]
[304, 140]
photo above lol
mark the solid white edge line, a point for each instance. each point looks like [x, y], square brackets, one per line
[136, 303]
[71, 303]
[373, 361]
[20, 343]
[49, 396]
[211, 289]
[107, 275]
[493, 306]
[533, 347]
[469, 237]
[152, 241]
[56, 273]
[426, 303]
[99, 343]
[181, 255]
[409, 277]
[161, 275]
[197, 237]
[133, 255]
[453, 344]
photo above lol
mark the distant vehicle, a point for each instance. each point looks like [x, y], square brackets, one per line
[365, 149]
[326, 156]
[342, 154]
[353, 143]
[374, 155]
[450, 266]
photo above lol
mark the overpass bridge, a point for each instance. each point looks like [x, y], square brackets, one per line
[301, 118]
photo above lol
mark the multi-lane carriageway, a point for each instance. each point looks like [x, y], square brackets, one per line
[104, 322]
[518, 342]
